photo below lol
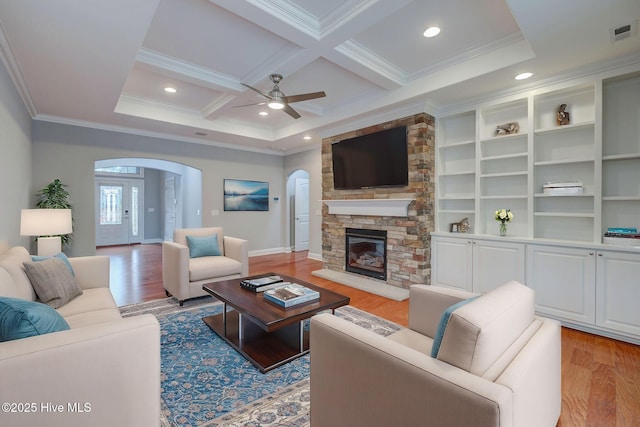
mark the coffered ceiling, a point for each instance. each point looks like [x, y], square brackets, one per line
[105, 63]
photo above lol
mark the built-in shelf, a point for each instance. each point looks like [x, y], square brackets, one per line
[458, 197]
[459, 144]
[565, 214]
[565, 128]
[504, 137]
[621, 198]
[457, 173]
[563, 162]
[457, 211]
[504, 156]
[564, 195]
[512, 196]
[373, 207]
[622, 156]
[494, 175]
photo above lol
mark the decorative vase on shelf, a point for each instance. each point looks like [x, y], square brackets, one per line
[503, 228]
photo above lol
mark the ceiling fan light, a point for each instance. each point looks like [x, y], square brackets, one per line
[276, 104]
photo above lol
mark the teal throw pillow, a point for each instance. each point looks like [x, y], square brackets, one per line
[21, 319]
[60, 255]
[442, 325]
[200, 246]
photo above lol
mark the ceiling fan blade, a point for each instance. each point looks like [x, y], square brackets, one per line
[305, 96]
[249, 105]
[290, 111]
[256, 90]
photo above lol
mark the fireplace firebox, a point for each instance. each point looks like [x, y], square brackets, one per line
[366, 252]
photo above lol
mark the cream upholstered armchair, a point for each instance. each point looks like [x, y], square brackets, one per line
[494, 363]
[192, 260]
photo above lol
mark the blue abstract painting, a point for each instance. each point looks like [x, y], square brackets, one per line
[241, 195]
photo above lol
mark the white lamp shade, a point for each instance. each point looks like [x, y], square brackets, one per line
[45, 222]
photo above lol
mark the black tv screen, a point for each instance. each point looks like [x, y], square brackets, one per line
[375, 160]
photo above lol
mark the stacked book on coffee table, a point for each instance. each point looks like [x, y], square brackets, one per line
[261, 284]
[290, 294]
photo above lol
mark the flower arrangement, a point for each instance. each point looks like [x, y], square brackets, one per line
[503, 216]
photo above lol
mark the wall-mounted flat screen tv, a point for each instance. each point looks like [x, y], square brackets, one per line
[375, 160]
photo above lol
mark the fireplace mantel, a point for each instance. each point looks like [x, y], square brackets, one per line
[372, 207]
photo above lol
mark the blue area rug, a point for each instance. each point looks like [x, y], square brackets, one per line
[205, 382]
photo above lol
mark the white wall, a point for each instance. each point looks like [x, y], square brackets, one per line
[69, 153]
[310, 161]
[15, 161]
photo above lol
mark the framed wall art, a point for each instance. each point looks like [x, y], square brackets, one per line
[242, 195]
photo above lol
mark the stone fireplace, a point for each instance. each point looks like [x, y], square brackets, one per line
[366, 252]
[408, 251]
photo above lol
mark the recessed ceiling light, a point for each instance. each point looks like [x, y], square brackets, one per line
[263, 113]
[170, 89]
[307, 137]
[431, 32]
[523, 76]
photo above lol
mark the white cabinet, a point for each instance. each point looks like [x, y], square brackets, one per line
[618, 291]
[564, 281]
[477, 265]
[593, 289]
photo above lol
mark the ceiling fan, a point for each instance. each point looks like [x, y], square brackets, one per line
[277, 100]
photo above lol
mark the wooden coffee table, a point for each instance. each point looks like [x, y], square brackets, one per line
[263, 332]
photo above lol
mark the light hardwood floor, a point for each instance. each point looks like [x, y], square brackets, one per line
[600, 376]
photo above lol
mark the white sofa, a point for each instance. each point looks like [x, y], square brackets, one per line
[103, 371]
[498, 365]
[183, 277]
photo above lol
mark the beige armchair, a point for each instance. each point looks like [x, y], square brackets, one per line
[183, 277]
[497, 365]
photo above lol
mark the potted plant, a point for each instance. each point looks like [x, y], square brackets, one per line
[54, 196]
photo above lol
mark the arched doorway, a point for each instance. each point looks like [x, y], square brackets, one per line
[142, 200]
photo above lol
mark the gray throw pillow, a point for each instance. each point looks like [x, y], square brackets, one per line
[53, 282]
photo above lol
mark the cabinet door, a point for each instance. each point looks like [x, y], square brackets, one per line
[451, 262]
[495, 263]
[618, 291]
[564, 282]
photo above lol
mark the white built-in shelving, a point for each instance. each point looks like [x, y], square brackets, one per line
[578, 278]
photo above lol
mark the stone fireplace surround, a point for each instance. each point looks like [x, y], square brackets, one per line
[408, 229]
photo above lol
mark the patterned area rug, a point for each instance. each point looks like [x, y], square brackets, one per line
[204, 382]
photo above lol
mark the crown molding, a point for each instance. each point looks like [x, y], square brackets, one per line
[291, 15]
[191, 71]
[343, 14]
[370, 60]
[9, 60]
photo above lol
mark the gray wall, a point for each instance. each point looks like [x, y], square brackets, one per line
[15, 162]
[69, 153]
[311, 162]
[153, 199]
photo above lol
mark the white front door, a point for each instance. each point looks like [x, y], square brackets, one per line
[301, 241]
[118, 208]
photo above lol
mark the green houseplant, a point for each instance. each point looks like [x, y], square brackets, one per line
[55, 196]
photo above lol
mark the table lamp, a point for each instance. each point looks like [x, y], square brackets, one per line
[47, 225]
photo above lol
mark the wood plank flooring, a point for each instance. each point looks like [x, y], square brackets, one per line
[600, 376]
